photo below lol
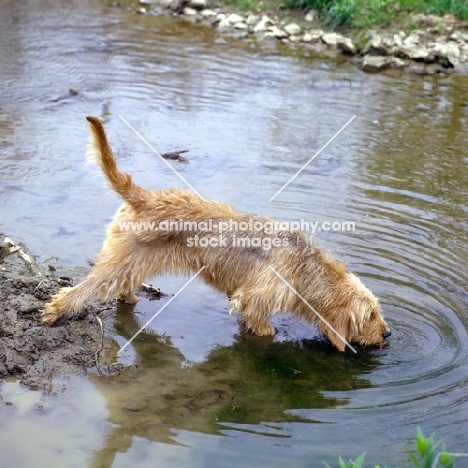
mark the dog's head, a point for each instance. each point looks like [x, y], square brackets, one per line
[357, 318]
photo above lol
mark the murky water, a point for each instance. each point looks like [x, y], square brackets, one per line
[203, 395]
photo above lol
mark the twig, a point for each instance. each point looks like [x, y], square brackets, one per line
[99, 350]
[176, 155]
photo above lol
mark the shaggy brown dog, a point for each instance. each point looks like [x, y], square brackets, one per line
[262, 270]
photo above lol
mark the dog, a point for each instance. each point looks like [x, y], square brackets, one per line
[262, 270]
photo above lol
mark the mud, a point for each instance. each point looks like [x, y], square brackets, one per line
[37, 354]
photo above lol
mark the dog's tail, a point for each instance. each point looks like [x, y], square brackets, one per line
[100, 152]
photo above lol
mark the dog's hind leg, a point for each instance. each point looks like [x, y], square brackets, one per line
[117, 272]
[128, 297]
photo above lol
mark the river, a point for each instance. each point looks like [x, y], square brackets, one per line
[202, 394]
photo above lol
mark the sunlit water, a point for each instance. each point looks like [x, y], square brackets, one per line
[204, 395]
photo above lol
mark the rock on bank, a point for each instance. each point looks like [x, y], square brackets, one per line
[440, 45]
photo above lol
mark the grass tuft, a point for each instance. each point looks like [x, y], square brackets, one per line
[365, 14]
[425, 455]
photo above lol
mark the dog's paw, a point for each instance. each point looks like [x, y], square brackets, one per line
[49, 315]
[128, 298]
[258, 327]
[266, 329]
[48, 319]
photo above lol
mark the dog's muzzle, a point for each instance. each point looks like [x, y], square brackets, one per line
[385, 342]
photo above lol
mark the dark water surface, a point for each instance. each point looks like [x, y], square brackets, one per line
[204, 395]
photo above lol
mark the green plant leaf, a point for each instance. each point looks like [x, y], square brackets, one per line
[426, 450]
[423, 444]
[342, 463]
[413, 458]
[446, 460]
[359, 460]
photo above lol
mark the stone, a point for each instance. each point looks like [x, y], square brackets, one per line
[171, 5]
[412, 39]
[278, 32]
[375, 41]
[240, 25]
[438, 49]
[313, 35]
[199, 4]
[312, 15]
[189, 11]
[346, 45]
[426, 20]
[141, 11]
[252, 19]
[397, 40]
[445, 52]
[329, 38]
[295, 39]
[264, 24]
[454, 61]
[224, 24]
[343, 43]
[374, 63]
[414, 53]
[293, 29]
[456, 36]
[375, 46]
[208, 12]
[453, 50]
[234, 18]
[397, 63]
[464, 53]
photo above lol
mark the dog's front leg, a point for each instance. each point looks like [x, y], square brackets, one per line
[256, 321]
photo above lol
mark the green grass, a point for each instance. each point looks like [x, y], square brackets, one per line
[364, 14]
[424, 457]
[361, 14]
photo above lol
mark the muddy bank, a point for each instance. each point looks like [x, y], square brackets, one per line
[34, 353]
[438, 45]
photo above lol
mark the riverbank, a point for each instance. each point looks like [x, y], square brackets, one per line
[37, 355]
[432, 45]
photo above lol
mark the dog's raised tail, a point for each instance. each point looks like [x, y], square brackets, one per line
[100, 152]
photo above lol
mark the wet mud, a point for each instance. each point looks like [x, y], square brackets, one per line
[36, 354]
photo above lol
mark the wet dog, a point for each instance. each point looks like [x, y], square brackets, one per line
[263, 270]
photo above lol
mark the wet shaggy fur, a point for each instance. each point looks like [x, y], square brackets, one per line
[295, 276]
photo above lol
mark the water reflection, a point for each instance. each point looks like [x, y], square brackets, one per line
[255, 379]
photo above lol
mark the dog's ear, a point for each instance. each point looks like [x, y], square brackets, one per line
[339, 330]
